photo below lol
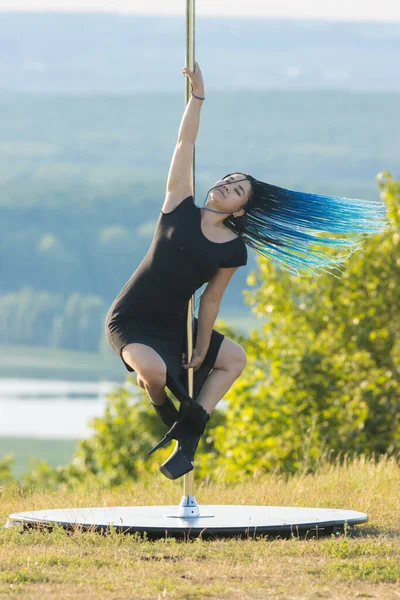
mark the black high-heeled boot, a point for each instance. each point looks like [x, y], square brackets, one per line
[167, 411]
[180, 461]
[190, 424]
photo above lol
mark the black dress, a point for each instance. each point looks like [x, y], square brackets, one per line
[152, 306]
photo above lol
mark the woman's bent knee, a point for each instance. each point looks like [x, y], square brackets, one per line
[154, 378]
[231, 357]
[149, 365]
[239, 361]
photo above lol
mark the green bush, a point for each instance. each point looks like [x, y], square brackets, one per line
[6, 465]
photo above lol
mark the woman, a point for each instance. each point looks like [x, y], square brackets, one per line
[146, 324]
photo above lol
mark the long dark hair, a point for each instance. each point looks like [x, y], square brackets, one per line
[283, 226]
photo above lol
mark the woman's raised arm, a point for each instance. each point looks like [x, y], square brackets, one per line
[180, 180]
[191, 117]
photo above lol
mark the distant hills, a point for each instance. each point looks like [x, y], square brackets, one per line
[90, 53]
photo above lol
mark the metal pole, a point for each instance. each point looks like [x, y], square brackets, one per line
[188, 479]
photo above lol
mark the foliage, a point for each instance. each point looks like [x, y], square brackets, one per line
[323, 367]
[51, 320]
[6, 465]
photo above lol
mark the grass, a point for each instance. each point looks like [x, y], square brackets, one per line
[364, 564]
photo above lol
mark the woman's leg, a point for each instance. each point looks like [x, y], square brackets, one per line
[229, 365]
[151, 370]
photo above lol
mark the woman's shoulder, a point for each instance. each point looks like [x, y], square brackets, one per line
[172, 205]
[237, 255]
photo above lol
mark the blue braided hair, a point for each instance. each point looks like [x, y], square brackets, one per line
[282, 225]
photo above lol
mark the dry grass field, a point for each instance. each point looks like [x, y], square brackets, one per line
[363, 564]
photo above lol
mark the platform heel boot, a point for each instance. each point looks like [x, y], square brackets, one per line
[189, 425]
[180, 461]
[167, 411]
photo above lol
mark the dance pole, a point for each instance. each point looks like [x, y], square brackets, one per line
[188, 479]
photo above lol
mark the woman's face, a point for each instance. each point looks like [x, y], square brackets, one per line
[229, 194]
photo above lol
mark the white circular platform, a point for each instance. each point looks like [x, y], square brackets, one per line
[213, 519]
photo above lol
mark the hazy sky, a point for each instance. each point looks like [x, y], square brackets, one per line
[382, 10]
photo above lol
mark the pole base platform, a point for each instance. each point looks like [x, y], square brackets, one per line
[193, 520]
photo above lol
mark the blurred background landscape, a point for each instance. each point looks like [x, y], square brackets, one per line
[90, 106]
